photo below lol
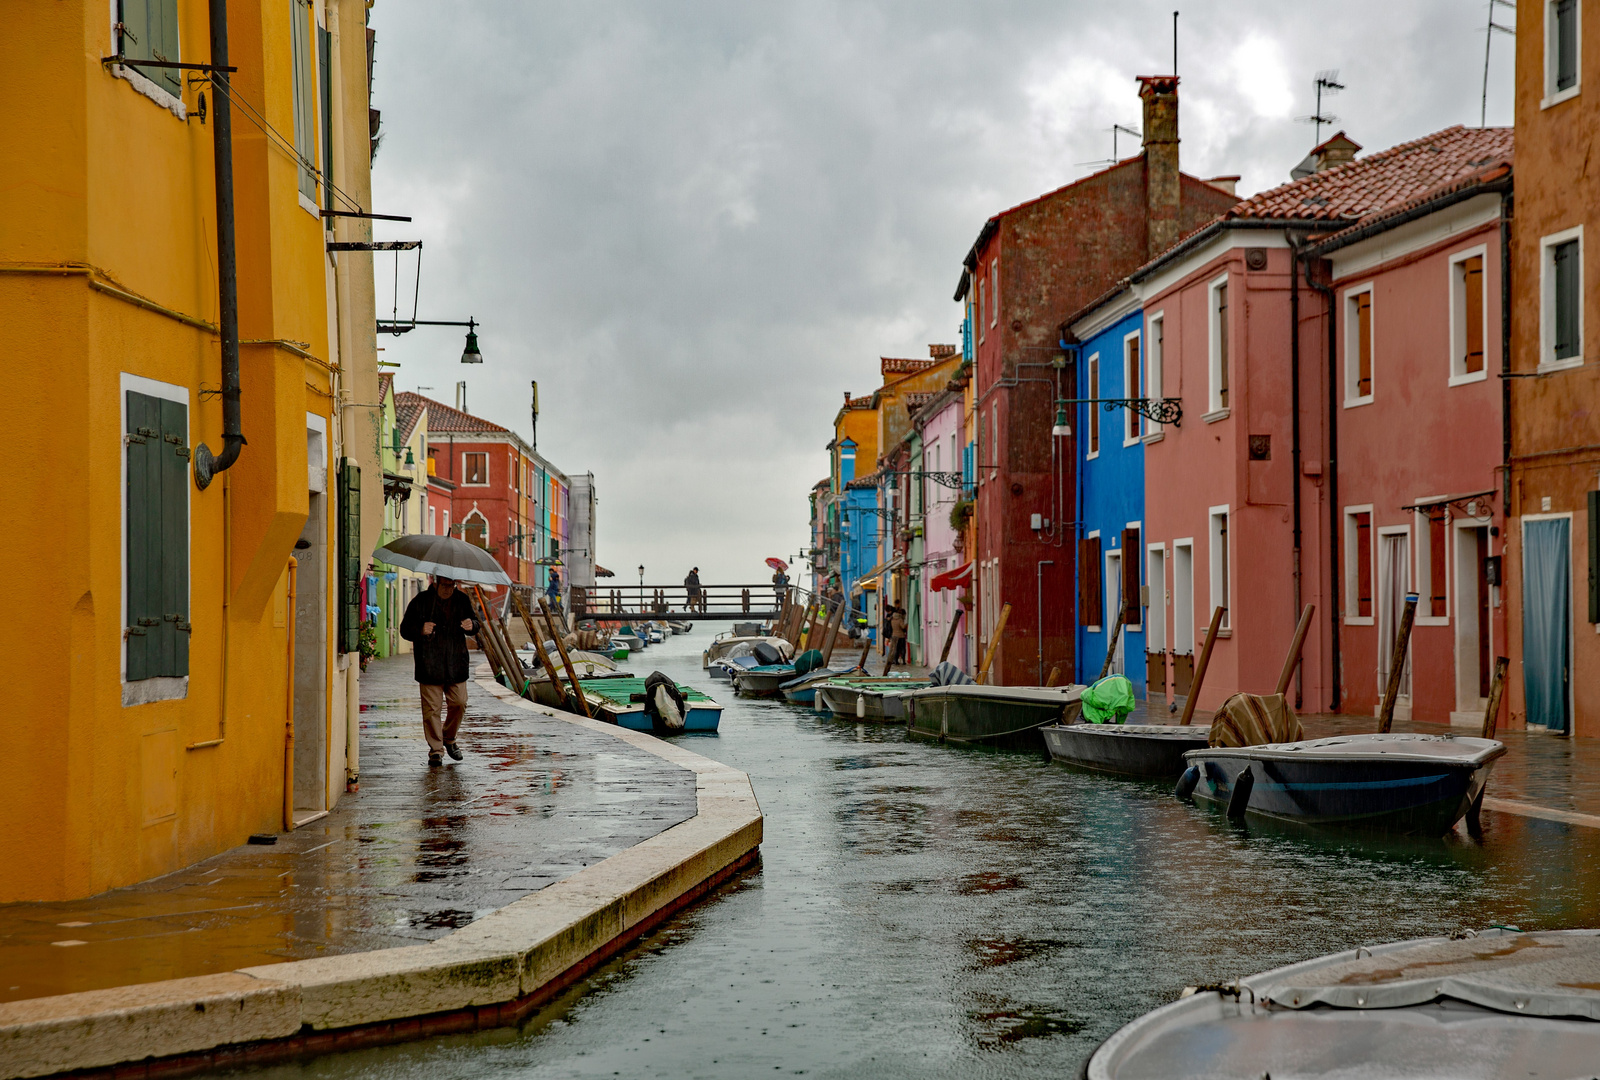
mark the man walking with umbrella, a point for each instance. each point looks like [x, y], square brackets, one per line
[437, 623]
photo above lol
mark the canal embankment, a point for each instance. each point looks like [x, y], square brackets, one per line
[434, 901]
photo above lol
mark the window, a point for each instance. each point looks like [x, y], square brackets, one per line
[1561, 300]
[433, 521]
[1433, 530]
[1094, 407]
[1221, 575]
[1183, 626]
[1358, 346]
[1156, 617]
[300, 26]
[352, 559]
[475, 530]
[1132, 379]
[1563, 31]
[514, 538]
[156, 597]
[982, 325]
[325, 96]
[149, 31]
[1219, 346]
[1358, 565]
[1468, 315]
[1089, 592]
[1132, 609]
[994, 291]
[475, 469]
[1153, 357]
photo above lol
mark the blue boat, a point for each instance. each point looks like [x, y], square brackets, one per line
[802, 689]
[621, 702]
[1395, 783]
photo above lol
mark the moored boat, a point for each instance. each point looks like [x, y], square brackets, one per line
[1397, 783]
[802, 689]
[1154, 750]
[872, 699]
[762, 680]
[1002, 717]
[621, 701]
[1496, 1003]
[727, 645]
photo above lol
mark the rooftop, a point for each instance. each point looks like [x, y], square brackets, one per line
[444, 419]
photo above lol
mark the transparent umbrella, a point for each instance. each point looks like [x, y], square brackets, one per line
[443, 556]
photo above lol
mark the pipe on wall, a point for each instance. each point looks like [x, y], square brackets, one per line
[1294, 443]
[288, 696]
[207, 464]
[1507, 209]
[1336, 591]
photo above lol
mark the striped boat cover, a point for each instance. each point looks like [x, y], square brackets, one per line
[1253, 719]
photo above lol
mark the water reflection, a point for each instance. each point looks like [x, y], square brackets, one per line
[923, 910]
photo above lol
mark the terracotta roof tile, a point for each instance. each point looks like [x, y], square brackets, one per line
[891, 365]
[408, 409]
[443, 418]
[1382, 181]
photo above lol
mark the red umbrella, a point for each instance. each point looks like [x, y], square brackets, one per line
[777, 564]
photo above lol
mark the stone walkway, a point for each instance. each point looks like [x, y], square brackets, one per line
[415, 854]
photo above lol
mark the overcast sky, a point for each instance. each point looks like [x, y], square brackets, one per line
[697, 224]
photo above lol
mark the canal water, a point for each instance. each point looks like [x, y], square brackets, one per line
[927, 911]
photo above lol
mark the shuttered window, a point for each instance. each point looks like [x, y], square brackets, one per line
[149, 31]
[1472, 310]
[305, 89]
[1094, 406]
[1089, 594]
[1567, 300]
[1361, 553]
[1438, 533]
[1222, 345]
[1566, 43]
[1130, 577]
[1363, 305]
[325, 98]
[350, 558]
[1594, 556]
[157, 629]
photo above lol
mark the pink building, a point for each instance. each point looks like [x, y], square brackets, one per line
[942, 424]
[1252, 506]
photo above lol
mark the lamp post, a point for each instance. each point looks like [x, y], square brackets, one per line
[641, 586]
[469, 355]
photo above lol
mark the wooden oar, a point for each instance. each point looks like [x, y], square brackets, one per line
[1200, 668]
[537, 637]
[949, 639]
[566, 661]
[1292, 661]
[493, 649]
[839, 609]
[1397, 663]
[1491, 715]
[994, 643]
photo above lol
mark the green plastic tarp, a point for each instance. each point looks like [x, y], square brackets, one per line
[1108, 701]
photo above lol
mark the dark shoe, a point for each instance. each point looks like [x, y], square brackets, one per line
[435, 760]
[454, 751]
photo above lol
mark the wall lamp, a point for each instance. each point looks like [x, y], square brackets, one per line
[469, 355]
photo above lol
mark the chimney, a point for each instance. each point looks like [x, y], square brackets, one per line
[941, 352]
[1160, 96]
[1339, 150]
[1230, 184]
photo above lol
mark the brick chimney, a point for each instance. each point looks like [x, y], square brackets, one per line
[1161, 185]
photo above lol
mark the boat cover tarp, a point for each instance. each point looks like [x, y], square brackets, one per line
[1556, 973]
[663, 702]
[1108, 701]
[808, 661]
[1254, 719]
[947, 674]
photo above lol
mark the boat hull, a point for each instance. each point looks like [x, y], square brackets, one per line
[761, 683]
[867, 704]
[1004, 718]
[1153, 750]
[1401, 794]
[700, 719]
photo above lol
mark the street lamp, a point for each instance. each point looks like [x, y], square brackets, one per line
[1061, 429]
[641, 586]
[469, 355]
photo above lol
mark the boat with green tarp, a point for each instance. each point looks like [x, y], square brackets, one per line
[621, 701]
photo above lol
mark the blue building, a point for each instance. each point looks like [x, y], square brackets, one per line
[1109, 362]
[856, 523]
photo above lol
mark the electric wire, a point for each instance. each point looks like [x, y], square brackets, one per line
[260, 122]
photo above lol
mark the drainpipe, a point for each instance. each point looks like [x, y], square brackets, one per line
[206, 464]
[1507, 209]
[1294, 443]
[288, 717]
[1334, 517]
[1038, 573]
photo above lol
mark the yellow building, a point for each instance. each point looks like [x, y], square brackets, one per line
[175, 696]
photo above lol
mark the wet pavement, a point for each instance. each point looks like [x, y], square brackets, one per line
[931, 911]
[413, 855]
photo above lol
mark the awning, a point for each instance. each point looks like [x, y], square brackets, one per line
[952, 579]
[870, 578]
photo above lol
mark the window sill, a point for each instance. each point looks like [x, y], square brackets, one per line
[1560, 365]
[308, 206]
[148, 691]
[1154, 437]
[1093, 629]
[1470, 377]
[1431, 620]
[1216, 414]
[1091, 455]
[1562, 95]
[1358, 620]
[1137, 441]
[1357, 402]
[150, 90]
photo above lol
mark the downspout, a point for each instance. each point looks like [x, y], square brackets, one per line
[1335, 590]
[288, 717]
[207, 465]
[1507, 209]
[1294, 444]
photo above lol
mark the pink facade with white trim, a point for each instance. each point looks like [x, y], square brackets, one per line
[942, 437]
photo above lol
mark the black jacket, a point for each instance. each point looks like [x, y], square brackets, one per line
[441, 657]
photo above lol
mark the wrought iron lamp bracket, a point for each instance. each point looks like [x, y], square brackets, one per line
[1157, 410]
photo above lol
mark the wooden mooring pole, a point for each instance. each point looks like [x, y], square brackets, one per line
[1497, 689]
[1200, 667]
[1397, 664]
[1292, 661]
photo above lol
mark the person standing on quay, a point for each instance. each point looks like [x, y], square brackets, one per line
[691, 585]
[437, 623]
[897, 635]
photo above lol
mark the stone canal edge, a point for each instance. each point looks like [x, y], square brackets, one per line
[492, 972]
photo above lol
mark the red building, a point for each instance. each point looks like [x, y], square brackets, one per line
[1030, 267]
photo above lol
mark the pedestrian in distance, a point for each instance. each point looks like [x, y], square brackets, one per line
[552, 590]
[437, 622]
[691, 585]
[897, 634]
[780, 585]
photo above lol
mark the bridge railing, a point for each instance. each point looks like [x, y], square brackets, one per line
[660, 601]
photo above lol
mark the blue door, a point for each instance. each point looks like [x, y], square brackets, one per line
[1547, 620]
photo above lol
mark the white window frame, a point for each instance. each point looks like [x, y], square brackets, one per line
[994, 291]
[488, 534]
[1154, 345]
[140, 83]
[983, 328]
[1095, 628]
[1093, 436]
[1156, 610]
[1215, 409]
[1552, 96]
[1422, 568]
[486, 470]
[1459, 375]
[1547, 300]
[1352, 580]
[1132, 375]
[1220, 595]
[1352, 347]
[1184, 620]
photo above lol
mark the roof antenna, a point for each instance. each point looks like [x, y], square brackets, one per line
[1326, 81]
[1488, 37]
[1175, 41]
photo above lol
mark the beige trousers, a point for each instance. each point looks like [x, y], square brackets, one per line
[433, 703]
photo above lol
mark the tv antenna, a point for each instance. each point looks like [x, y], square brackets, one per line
[1488, 38]
[1113, 159]
[1327, 82]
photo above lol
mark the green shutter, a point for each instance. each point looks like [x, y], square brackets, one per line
[325, 87]
[150, 32]
[305, 142]
[349, 557]
[1567, 300]
[1594, 556]
[158, 537]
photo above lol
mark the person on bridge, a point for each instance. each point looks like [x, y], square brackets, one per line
[780, 585]
[691, 585]
[437, 622]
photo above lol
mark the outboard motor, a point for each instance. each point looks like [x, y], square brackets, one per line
[663, 703]
[765, 653]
